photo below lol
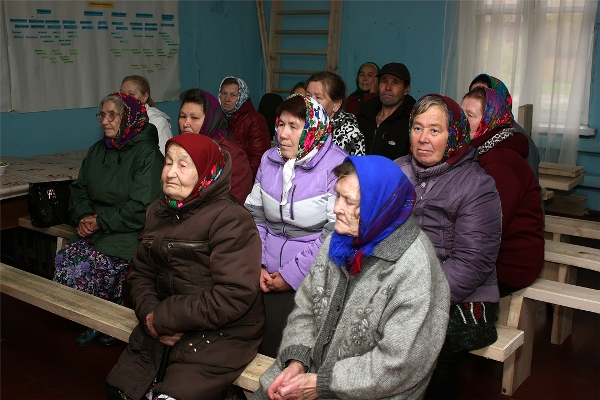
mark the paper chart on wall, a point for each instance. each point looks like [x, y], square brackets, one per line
[70, 54]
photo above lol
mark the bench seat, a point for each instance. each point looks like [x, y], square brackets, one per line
[509, 340]
[573, 255]
[63, 231]
[562, 294]
[572, 227]
[96, 313]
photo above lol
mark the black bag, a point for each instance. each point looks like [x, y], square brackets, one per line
[49, 203]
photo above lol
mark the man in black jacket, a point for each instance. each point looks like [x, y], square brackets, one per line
[384, 119]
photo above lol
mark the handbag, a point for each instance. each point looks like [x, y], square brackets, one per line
[49, 203]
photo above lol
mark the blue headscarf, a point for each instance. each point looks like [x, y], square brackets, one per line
[243, 94]
[386, 200]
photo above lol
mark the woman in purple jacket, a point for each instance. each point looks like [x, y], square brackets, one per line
[292, 204]
[458, 207]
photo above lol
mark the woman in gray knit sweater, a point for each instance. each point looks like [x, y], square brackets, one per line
[371, 316]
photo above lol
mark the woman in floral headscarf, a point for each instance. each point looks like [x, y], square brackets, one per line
[292, 204]
[502, 153]
[247, 126]
[458, 207]
[118, 179]
[200, 113]
[491, 82]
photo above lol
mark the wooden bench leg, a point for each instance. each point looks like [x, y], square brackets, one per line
[563, 316]
[60, 243]
[517, 367]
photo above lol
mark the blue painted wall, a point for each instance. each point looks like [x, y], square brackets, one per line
[211, 48]
[211, 35]
[410, 32]
[589, 148]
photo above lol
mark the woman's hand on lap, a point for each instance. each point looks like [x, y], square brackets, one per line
[170, 340]
[278, 284]
[87, 226]
[150, 326]
[294, 369]
[265, 281]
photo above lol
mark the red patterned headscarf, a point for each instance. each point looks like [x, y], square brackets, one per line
[133, 121]
[496, 113]
[317, 127]
[458, 129]
[496, 84]
[208, 160]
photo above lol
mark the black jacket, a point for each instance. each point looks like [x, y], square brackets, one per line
[390, 139]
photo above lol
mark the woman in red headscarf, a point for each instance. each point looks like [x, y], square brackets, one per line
[501, 153]
[194, 283]
[118, 179]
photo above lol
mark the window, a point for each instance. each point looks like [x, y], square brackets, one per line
[541, 50]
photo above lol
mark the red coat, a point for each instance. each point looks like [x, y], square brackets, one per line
[353, 102]
[249, 129]
[241, 175]
[521, 255]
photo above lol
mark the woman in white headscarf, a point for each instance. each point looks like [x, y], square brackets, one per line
[247, 126]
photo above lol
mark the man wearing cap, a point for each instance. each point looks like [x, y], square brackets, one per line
[384, 119]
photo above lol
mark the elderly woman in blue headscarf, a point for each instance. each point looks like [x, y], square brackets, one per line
[371, 315]
[247, 126]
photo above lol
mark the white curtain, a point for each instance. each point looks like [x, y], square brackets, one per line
[541, 50]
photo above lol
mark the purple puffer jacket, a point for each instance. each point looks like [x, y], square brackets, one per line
[459, 209]
[292, 234]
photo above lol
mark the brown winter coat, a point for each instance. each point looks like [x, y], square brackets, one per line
[197, 270]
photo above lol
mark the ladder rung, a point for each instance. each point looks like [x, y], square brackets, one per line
[295, 71]
[302, 12]
[301, 32]
[323, 52]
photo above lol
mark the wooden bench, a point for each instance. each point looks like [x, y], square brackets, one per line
[522, 315]
[119, 322]
[62, 232]
[562, 260]
[95, 313]
[571, 227]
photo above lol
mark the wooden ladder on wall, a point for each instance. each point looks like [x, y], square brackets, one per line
[272, 43]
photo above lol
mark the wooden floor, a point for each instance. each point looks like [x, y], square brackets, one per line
[39, 359]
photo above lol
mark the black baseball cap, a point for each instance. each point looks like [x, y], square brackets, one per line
[397, 69]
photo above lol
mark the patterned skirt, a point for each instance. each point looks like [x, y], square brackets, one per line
[81, 267]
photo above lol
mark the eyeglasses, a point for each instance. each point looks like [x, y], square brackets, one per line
[110, 116]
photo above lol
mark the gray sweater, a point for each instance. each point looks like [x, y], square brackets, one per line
[375, 334]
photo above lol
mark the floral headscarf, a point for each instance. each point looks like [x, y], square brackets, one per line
[498, 86]
[208, 160]
[359, 92]
[496, 114]
[385, 204]
[243, 95]
[133, 121]
[458, 129]
[317, 129]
